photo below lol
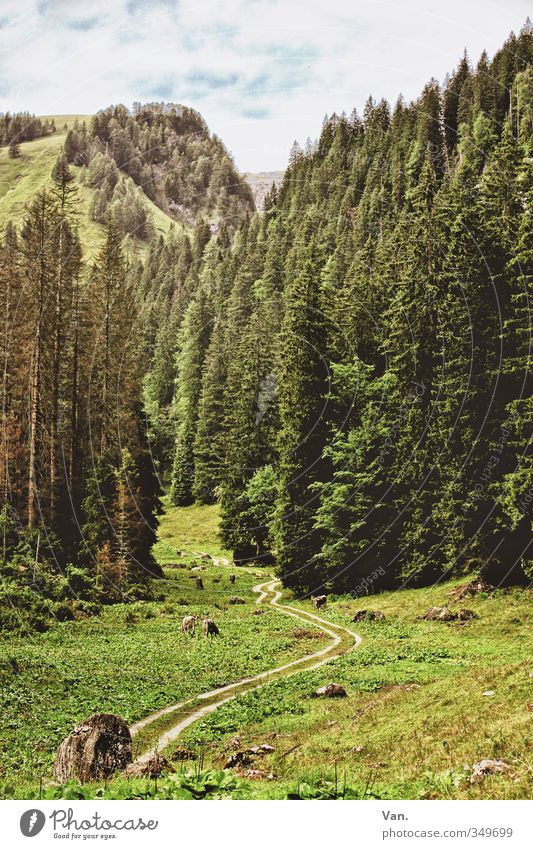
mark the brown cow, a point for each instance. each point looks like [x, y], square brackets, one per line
[188, 624]
[319, 601]
[209, 628]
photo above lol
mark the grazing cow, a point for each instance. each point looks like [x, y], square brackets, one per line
[209, 628]
[188, 624]
[319, 601]
[232, 579]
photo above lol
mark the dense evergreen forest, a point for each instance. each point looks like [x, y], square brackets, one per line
[353, 371]
[22, 126]
[347, 373]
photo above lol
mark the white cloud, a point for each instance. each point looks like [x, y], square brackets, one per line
[262, 72]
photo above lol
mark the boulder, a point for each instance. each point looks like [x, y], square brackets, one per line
[97, 747]
[439, 614]
[235, 599]
[331, 691]
[487, 767]
[368, 615]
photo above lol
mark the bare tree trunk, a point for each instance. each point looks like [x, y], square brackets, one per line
[74, 401]
[105, 386]
[35, 374]
[35, 385]
[4, 479]
[54, 418]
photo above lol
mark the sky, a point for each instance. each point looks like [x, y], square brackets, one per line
[261, 72]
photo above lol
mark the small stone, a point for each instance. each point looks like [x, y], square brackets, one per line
[473, 588]
[439, 614]
[151, 768]
[489, 693]
[487, 767]
[235, 599]
[257, 774]
[331, 691]
[368, 615]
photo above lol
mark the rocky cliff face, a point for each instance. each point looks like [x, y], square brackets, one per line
[261, 183]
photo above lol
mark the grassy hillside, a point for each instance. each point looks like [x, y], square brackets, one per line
[21, 178]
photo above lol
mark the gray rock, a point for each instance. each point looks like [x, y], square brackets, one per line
[331, 691]
[487, 767]
[96, 748]
[439, 614]
[235, 599]
[368, 615]
[151, 768]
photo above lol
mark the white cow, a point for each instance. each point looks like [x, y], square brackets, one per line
[188, 624]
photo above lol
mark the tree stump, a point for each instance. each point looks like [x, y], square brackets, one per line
[95, 749]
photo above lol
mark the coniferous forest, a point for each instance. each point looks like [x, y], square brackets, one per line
[346, 373]
[352, 372]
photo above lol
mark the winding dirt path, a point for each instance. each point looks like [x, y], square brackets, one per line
[191, 710]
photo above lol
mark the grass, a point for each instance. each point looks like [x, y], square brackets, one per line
[191, 529]
[22, 178]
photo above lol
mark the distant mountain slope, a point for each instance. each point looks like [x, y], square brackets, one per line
[168, 151]
[22, 178]
[261, 183]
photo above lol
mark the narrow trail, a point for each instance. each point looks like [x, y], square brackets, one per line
[176, 718]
